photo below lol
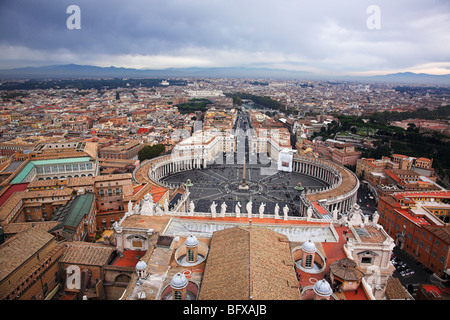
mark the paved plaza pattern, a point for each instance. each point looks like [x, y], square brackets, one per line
[220, 183]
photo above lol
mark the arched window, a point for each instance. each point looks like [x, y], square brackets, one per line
[190, 255]
[308, 261]
[177, 295]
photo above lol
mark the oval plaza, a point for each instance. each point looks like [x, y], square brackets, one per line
[216, 166]
[243, 195]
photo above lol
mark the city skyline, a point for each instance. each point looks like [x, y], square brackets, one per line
[324, 38]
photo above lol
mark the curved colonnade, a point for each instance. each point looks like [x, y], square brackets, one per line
[339, 196]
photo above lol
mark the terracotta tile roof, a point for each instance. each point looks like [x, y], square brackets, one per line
[249, 263]
[118, 176]
[442, 232]
[80, 181]
[86, 253]
[395, 290]
[13, 228]
[17, 250]
[346, 269]
[157, 223]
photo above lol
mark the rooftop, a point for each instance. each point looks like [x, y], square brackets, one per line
[86, 253]
[256, 260]
[20, 248]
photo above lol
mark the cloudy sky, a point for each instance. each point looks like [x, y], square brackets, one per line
[321, 36]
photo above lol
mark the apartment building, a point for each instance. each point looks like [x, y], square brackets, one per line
[127, 150]
[419, 224]
[31, 271]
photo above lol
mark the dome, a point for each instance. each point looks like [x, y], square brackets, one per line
[141, 265]
[322, 288]
[309, 247]
[347, 270]
[191, 241]
[179, 281]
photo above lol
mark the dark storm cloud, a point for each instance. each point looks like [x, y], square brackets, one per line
[319, 35]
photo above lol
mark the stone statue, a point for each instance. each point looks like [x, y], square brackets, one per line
[136, 209]
[261, 210]
[213, 209]
[285, 212]
[130, 208]
[191, 208]
[366, 219]
[335, 214]
[158, 211]
[277, 210]
[375, 218]
[117, 227]
[237, 208]
[343, 220]
[166, 206]
[249, 208]
[355, 218]
[147, 206]
[309, 212]
[223, 209]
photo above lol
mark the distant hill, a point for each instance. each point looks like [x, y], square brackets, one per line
[79, 71]
[410, 77]
[73, 71]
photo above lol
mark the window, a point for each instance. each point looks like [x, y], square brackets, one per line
[177, 295]
[366, 260]
[308, 261]
[136, 244]
[190, 255]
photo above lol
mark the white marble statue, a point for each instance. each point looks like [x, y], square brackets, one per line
[277, 211]
[335, 214]
[136, 209]
[285, 212]
[147, 205]
[261, 210]
[223, 209]
[356, 217]
[130, 208]
[375, 218]
[249, 208]
[191, 208]
[309, 212]
[213, 209]
[166, 206]
[237, 209]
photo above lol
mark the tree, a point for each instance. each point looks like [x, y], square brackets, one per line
[237, 100]
[150, 152]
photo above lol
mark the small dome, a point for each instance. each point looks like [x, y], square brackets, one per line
[179, 281]
[191, 241]
[309, 247]
[322, 288]
[141, 265]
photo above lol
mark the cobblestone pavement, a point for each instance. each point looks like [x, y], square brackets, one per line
[421, 273]
[220, 183]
